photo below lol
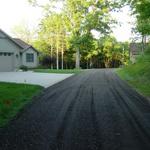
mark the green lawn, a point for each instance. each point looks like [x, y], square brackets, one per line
[65, 71]
[13, 98]
[138, 74]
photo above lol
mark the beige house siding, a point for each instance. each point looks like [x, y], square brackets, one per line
[30, 64]
[9, 63]
[6, 63]
[8, 46]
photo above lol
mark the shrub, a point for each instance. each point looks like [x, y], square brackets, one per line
[24, 68]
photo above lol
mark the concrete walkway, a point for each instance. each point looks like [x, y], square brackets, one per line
[43, 79]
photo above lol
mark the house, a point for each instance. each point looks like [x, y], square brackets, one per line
[15, 53]
[135, 50]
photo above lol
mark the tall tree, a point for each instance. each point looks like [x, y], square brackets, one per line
[53, 31]
[86, 16]
[75, 24]
[141, 10]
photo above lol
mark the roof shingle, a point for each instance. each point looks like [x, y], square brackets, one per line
[21, 43]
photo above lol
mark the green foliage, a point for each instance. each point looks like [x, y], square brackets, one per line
[13, 97]
[138, 74]
[24, 68]
[143, 26]
[141, 8]
[52, 31]
[69, 34]
[42, 45]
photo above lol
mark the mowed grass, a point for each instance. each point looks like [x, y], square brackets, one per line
[13, 97]
[64, 71]
[138, 74]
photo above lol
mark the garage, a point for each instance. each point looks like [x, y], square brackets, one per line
[6, 62]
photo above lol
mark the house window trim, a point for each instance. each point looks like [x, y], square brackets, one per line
[29, 57]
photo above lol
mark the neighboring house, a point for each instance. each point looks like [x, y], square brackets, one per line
[15, 53]
[135, 50]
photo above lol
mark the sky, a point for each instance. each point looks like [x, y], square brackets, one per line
[13, 12]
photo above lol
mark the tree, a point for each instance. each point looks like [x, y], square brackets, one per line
[23, 32]
[86, 16]
[52, 30]
[112, 53]
[140, 9]
[69, 33]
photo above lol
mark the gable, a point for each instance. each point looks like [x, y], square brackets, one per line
[6, 45]
[2, 35]
[30, 50]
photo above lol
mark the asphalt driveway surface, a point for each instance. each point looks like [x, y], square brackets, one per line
[94, 110]
[42, 79]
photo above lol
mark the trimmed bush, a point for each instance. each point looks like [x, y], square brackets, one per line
[24, 68]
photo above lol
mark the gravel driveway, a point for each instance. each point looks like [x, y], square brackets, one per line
[43, 79]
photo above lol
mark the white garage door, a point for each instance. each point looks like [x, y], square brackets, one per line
[6, 62]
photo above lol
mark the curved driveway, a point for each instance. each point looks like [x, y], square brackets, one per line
[94, 110]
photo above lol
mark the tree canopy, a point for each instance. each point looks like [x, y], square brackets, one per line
[141, 9]
[68, 36]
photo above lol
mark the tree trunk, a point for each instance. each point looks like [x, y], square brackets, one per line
[145, 40]
[142, 44]
[77, 59]
[87, 64]
[57, 57]
[62, 58]
[57, 60]
[91, 64]
[57, 50]
[51, 57]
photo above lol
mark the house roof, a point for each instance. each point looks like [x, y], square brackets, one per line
[23, 45]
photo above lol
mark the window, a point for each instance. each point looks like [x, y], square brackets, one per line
[29, 57]
[5, 54]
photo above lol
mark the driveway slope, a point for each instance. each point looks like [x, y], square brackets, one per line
[94, 110]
